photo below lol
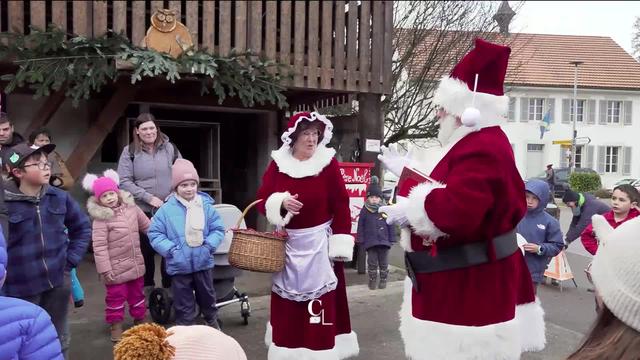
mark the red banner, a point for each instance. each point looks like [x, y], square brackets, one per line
[357, 177]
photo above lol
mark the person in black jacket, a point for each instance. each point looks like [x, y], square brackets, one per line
[8, 138]
[583, 206]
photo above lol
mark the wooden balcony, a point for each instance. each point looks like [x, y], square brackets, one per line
[333, 46]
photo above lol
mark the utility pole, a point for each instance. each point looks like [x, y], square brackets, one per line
[574, 134]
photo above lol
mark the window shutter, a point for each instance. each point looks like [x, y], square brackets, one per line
[591, 112]
[627, 112]
[512, 110]
[626, 160]
[551, 106]
[524, 109]
[566, 111]
[602, 120]
[601, 156]
[589, 159]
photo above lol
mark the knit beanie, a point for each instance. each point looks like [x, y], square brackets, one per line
[200, 342]
[374, 190]
[615, 268]
[100, 185]
[3, 258]
[183, 170]
[570, 196]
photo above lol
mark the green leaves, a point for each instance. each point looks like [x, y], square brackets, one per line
[47, 60]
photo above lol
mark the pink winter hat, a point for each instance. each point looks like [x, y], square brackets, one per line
[183, 170]
[100, 185]
[200, 342]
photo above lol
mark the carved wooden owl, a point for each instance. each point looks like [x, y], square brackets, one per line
[167, 34]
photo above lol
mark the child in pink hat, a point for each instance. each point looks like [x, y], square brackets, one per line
[117, 222]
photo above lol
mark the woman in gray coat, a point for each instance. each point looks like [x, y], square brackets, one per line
[145, 171]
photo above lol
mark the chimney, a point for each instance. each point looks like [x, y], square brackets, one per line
[503, 17]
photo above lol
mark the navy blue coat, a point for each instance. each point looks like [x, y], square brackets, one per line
[373, 230]
[26, 332]
[38, 247]
[540, 228]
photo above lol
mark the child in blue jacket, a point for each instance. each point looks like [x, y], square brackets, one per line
[186, 231]
[541, 230]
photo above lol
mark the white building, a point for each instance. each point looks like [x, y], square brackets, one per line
[540, 79]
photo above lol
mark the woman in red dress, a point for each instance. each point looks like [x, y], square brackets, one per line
[304, 193]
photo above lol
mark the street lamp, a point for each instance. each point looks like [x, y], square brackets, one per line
[572, 165]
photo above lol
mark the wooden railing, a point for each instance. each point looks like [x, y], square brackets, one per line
[330, 45]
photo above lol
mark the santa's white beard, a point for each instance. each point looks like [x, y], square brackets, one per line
[448, 125]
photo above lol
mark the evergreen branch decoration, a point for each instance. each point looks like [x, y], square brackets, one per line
[47, 61]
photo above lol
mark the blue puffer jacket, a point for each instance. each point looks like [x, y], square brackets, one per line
[540, 228]
[39, 248]
[168, 238]
[26, 332]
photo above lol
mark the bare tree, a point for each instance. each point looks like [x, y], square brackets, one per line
[635, 40]
[430, 37]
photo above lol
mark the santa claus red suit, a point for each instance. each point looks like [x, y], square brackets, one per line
[309, 310]
[469, 293]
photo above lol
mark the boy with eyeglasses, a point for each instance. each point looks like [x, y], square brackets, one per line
[41, 254]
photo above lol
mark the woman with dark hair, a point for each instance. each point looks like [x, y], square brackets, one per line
[304, 193]
[145, 171]
[60, 175]
[614, 272]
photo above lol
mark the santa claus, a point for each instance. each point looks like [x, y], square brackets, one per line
[469, 293]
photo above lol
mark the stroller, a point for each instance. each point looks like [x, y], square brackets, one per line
[160, 301]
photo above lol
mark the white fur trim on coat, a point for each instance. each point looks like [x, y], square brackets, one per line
[341, 247]
[426, 340]
[273, 206]
[346, 345]
[416, 213]
[101, 212]
[530, 318]
[454, 96]
[298, 169]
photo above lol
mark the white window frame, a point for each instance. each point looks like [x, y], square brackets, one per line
[614, 117]
[536, 109]
[612, 157]
[581, 107]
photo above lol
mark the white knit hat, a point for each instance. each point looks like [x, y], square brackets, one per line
[615, 268]
[199, 342]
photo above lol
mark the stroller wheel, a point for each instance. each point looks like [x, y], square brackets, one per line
[160, 305]
[245, 310]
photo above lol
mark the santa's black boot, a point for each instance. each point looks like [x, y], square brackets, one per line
[383, 279]
[373, 279]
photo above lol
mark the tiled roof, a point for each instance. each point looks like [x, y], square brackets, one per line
[543, 60]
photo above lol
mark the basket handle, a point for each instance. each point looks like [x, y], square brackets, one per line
[246, 210]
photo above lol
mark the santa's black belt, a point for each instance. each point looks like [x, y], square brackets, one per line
[458, 257]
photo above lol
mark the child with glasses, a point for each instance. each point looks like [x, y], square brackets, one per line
[41, 254]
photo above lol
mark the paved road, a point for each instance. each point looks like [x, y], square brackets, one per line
[569, 313]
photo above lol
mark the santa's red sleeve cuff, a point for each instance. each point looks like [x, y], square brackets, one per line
[273, 209]
[417, 215]
[341, 247]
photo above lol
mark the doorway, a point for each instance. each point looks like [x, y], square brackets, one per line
[535, 159]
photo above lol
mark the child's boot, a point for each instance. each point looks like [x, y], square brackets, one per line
[373, 279]
[383, 279]
[116, 331]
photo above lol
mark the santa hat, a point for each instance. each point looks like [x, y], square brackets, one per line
[475, 88]
[181, 171]
[615, 268]
[326, 127]
[100, 185]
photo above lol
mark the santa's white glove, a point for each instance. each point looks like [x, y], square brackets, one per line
[397, 213]
[393, 161]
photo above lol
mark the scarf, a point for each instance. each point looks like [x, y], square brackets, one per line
[372, 207]
[194, 224]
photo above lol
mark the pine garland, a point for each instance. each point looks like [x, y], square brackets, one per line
[48, 61]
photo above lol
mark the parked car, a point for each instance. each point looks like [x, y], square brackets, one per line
[630, 181]
[561, 176]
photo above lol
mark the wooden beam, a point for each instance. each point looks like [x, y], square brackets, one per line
[46, 111]
[91, 142]
[370, 126]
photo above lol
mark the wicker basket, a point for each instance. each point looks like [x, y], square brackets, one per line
[256, 251]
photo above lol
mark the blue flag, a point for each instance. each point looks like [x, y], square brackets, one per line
[545, 123]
